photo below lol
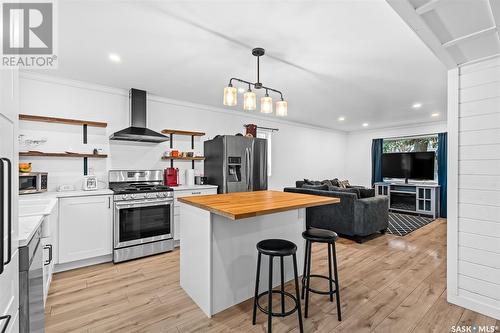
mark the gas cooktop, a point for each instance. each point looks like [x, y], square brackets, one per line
[127, 188]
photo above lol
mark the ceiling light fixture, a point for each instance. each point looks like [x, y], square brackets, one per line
[341, 118]
[114, 57]
[435, 114]
[249, 98]
[365, 124]
[416, 105]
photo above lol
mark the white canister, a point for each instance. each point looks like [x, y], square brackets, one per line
[189, 177]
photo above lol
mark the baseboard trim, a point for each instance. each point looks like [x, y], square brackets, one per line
[82, 263]
[474, 305]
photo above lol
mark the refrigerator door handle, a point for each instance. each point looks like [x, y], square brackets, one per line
[250, 169]
[2, 190]
[9, 211]
[247, 167]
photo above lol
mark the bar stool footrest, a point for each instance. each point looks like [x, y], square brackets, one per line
[321, 292]
[278, 314]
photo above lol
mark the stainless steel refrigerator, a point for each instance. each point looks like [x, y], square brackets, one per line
[236, 163]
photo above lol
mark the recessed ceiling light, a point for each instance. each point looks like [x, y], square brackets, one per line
[416, 105]
[114, 57]
[435, 114]
[241, 90]
[365, 124]
[341, 118]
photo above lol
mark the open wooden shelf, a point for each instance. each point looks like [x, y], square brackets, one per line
[38, 153]
[181, 132]
[44, 119]
[196, 158]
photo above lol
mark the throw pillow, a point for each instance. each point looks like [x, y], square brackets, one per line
[344, 183]
[335, 182]
[327, 182]
[319, 187]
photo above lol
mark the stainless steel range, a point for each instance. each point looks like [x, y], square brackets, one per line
[143, 214]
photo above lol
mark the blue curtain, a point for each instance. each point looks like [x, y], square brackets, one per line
[442, 158]
[377, 149]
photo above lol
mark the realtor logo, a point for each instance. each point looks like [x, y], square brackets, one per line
[28, 35]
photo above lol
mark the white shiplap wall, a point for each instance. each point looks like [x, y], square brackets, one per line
[478, 187]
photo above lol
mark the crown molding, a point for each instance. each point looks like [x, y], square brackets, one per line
[168, 101]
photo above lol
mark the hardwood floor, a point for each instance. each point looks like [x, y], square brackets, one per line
[388, 284]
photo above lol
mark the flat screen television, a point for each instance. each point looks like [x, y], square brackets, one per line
[417, 165]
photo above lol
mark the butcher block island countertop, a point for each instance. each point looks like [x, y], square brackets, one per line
[242, 205]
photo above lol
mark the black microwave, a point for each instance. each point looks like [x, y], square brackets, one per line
[32, 182]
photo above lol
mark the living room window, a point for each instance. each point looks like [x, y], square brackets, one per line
[411, 144]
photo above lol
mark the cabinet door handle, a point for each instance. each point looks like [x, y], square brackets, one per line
[6, 323]
[49, 247]
[109, 202]
[195, 192]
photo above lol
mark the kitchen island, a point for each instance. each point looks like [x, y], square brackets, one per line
[219, 234]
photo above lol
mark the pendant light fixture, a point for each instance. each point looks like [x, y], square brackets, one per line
[230, 95]
[249, 100]
[281, 108]
[249, 97]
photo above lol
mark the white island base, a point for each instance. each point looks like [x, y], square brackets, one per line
[218, 255]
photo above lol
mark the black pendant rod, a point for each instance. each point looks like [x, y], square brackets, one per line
[257, 52]
[256, 86]
[258, 71]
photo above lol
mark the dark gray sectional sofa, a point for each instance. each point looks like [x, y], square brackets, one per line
[360, 213]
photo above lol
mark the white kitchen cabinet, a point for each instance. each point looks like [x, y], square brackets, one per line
[85, 228]
[186, 191]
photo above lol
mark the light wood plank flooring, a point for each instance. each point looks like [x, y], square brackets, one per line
[388, 284]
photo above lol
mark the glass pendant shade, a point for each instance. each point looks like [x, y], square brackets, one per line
[281, 108]
[266, 104]
[249, 101]
[230, 96]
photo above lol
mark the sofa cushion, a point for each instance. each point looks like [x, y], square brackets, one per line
[320, 187]
[347, 190]
[312, 182]
[366, 192]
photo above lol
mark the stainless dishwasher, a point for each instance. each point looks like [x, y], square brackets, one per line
[31, 311]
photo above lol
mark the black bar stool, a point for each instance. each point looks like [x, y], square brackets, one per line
[276, 248]
[314, 235]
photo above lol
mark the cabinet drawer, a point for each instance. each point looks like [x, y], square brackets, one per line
[190, 193]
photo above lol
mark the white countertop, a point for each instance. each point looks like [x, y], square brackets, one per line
[65, 194]
[192, 187]
[32, 210]
[27, 227]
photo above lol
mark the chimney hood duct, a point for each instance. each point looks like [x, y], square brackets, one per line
[137, 130]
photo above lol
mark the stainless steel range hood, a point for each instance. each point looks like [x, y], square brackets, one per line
[137, 130]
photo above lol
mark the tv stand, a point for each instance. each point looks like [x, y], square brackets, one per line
[417, 198]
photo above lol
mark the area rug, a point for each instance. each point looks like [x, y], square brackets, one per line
[403, 224]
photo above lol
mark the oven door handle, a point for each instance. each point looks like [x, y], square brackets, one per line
[134, 204]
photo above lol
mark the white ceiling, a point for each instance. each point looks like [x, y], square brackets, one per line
[457, 31]
[356, 59]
